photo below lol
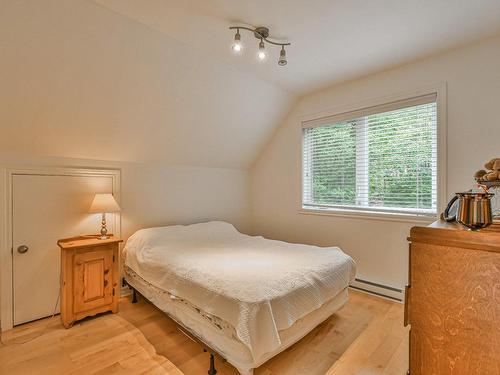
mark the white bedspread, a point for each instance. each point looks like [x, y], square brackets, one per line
[259, 286]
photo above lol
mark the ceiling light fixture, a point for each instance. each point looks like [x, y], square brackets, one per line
[282, 61]
[237, 46]
[262, 51]
[261, 33]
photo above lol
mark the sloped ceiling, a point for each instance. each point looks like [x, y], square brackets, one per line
[81, 81]
[332, 40]
[155, 81]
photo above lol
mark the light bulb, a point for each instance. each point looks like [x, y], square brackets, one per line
[237, 46]
[262, 51]
[282, 60]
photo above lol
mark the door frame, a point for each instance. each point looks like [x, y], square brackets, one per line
[6, 246]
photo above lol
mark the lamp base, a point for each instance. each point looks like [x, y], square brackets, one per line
[104, 237]
[104, 230]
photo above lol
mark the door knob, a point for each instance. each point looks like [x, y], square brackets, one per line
[22, 249]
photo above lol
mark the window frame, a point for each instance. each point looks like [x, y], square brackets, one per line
[365, 213]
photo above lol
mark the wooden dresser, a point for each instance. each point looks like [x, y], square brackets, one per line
[89, 277]
[453, 300]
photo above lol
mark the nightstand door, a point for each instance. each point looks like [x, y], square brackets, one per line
[93, 278]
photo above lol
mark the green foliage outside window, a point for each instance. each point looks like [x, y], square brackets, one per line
[400, 153]
[334, 164]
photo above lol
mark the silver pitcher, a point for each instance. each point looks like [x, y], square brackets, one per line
[473, 211]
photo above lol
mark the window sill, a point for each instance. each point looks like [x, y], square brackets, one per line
[370, 215]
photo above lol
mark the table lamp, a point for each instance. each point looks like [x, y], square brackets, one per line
[102, 204]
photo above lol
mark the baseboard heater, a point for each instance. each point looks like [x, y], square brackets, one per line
[380, 290]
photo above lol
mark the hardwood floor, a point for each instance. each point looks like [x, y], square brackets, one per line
[365, 337]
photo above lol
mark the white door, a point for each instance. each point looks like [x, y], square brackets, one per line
[45, 209]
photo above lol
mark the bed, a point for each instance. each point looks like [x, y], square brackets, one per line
[245, 297]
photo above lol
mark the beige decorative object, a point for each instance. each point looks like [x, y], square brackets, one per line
[491, 174]
[480, 174]
[489, 180]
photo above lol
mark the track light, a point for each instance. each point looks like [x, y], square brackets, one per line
[237, 46]
[261, 33]
[282, 60]
[262, 51]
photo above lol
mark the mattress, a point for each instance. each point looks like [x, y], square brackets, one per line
[257, 286]
[219, 335]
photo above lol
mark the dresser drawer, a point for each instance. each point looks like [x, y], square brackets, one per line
[454, 310]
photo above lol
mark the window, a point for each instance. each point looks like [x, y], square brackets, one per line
[377, 159]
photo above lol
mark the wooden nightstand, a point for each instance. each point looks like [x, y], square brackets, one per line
[89, 277]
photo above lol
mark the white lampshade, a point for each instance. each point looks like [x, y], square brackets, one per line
[104, 203]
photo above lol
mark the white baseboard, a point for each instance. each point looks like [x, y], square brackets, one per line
[380, 290]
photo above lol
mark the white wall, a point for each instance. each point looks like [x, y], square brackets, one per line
[80, 81]
[82, 85]
[157, 195]
[379, 247]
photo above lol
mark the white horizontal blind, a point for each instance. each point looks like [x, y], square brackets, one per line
[377, 159]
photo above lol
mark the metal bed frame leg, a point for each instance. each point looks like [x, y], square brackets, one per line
[134, 296]
[212, 370]
[134, 293]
